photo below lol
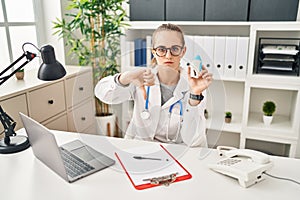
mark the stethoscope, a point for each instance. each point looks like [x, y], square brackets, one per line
[145, 114]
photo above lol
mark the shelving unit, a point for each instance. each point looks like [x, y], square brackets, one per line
[243, 96]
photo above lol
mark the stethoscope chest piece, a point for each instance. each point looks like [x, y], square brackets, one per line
[145, 114]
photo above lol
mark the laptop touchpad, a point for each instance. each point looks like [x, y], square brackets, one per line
[83, 153]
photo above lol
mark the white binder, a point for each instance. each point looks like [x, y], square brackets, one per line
[230, 54]
[189, 54]
[198, 46]
[207, 51]
[124, 56]
[149, 48]
[219, 56]
[241, 57]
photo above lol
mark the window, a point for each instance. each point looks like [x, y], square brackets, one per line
[17, 26]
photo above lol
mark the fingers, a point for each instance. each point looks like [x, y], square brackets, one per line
[202, 74]
[189, 70]
[148, 77]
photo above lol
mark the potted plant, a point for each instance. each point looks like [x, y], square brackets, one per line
[20, 74]
[92, 30]
[205, 113]
[268, 108]
[228, 116]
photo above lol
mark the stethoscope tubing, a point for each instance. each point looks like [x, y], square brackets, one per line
[171, 107]
[146, 115]
[147, 98]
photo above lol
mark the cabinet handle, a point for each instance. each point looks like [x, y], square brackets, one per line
[80, 88]
[83, 118]
[50, 102]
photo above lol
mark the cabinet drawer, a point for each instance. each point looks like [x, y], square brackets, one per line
[81, 117]
[46, 102]
[79, 88]
[12, 107]
[91, 130]
[60, 123]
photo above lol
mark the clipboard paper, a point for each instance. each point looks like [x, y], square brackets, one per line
[164, 172]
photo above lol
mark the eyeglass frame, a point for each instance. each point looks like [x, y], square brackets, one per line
[181, 48]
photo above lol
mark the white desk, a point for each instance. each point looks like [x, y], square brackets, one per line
[22, 176]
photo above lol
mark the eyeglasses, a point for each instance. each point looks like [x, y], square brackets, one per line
[162, 50]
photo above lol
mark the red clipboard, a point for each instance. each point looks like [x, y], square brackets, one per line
[149, 184]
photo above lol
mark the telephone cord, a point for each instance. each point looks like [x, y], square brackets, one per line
[281, 178]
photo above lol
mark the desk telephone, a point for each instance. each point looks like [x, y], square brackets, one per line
[243, 164]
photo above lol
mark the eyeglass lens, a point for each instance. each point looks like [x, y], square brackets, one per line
[174, 50]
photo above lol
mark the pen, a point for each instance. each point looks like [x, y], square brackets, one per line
[146, 158]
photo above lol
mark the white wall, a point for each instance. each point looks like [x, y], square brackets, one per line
[50, 10]
[298, 15]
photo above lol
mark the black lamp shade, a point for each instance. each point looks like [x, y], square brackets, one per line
[50, 69]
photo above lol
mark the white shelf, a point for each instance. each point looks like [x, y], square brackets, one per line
[281, 126]
[268, 78]
[154, 24]
[235, 126]
[30, 81]
[233, 79]
[256, 25]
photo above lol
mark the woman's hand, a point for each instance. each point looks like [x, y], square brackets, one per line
[139, 77]
[198, 85]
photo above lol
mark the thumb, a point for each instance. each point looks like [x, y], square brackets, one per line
[147, 71]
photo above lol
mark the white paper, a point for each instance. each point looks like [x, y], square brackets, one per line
[280, 49]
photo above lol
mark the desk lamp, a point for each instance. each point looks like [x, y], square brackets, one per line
[49, 70]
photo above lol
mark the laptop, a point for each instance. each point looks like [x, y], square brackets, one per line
[71, 161]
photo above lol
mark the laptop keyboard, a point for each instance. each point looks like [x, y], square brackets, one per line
[73, 164]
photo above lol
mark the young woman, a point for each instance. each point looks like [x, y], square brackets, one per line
[168, 102]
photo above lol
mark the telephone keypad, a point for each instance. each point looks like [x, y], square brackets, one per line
[229, 162]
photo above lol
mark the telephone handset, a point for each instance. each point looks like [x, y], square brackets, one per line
[243, 164]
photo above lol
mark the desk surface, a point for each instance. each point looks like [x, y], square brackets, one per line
[22, 176]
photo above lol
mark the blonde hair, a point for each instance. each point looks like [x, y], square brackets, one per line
[166, 27]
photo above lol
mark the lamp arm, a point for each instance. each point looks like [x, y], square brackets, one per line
[9, 125]
[29, 56]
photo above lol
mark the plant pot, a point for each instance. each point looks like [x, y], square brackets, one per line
[20, 75]
[205, 114]
[227, 119]
[106, 125]
[267, 120]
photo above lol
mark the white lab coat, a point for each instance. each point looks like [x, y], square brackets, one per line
[192, 131]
